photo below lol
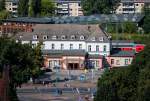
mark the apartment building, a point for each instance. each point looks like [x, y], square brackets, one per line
[131, 6]
[11, 6]
[68, 7]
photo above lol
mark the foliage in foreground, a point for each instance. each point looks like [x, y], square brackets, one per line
[23, 62]
[127, 84]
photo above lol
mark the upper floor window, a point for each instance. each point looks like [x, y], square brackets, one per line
[35, 37]
[53, 46]
[89, 48]
[101, 39]
[73, 37]
[62, 46]
[93, 38]
[71, 46]
[80, 46]
[63, 37]
[104, 48]
[82, 37]
[45, 37]
[97, 48]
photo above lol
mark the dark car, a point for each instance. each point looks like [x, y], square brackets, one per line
[43, 81]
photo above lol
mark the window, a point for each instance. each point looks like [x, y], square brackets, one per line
[89, 48]
[97, 63]
[97, 48]
[63, 37]
[35, 37]
[101, 39]
[54, 37]
[45, 37]
[126, 61]
[62, 46]
[104, 49]
[80, 46]
[112, 61]
[117, 62]
[82, 37]
[73, 37]
[93, 38]
[33, 45]
[71, 46]
[53, 46]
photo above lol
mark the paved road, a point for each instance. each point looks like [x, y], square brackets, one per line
[82, 90]
[37, 94]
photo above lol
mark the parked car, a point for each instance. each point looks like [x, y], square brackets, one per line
[43, 81]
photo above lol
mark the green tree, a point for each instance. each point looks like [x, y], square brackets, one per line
[23, 8]
[23, 60]
[127, 84]
[146, 24]
[2, 5]
[34, 8]
[99, 6]
[47, 8]
[4, 14]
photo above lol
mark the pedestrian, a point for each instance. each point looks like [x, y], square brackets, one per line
[79, 98]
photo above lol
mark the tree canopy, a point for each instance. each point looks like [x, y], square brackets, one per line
[33, 8]
[127, 84]
[146, 24]
[47, 8]
[23, 61]
[2, 5]
[99, 6]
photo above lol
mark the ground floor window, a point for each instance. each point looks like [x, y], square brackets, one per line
[54, 63]
[126, 61]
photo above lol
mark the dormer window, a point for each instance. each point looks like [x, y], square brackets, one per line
[45, 37]
[20, 36]
[101, 39]
[54, 37]
[63, 37]
[73, 37]
[93, 39]
[35, 37]
[82, 37]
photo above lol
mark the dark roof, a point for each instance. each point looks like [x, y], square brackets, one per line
[30, 20]
[119, 46]
[122, 53]
[66, 1]
[93, 19]
[95, 56]
[59, 53]
[123, 43]
[68, 30]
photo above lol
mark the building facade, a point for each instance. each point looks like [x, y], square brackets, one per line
[68, 7]
[131, 6]
[66, 45]
[63, 7]
[11, 6]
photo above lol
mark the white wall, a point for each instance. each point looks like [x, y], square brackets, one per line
[57, 44]
[101, 46]
[48, 44]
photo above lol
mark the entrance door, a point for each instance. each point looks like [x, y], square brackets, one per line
[73, 66]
